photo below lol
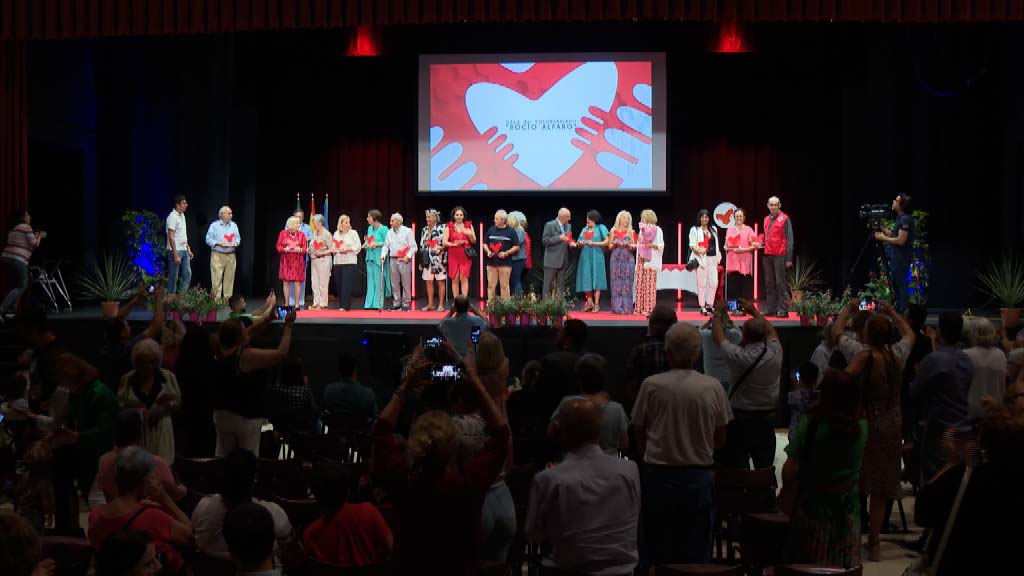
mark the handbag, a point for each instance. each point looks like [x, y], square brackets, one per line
[692, 265]
[470, 252]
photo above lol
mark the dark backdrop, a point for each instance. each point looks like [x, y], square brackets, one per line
[825, 116]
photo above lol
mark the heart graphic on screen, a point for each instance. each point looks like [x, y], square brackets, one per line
[338, 243]
[495, 247]
[588, 234]
[319, 245]
[544, 155]
[229, 238]
[403, 252]
[620, 234]
[432, 243]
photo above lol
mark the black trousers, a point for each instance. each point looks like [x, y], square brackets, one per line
[750, 436]
[776, 285]
[740, 286]
[344, 282]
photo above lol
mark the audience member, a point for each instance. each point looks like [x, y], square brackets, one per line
[989, 365]
[171, 337]
[240, 382]
[939, 391]
[592, 373]
[119, 339]
[239, 481]
[824, 461]
[34, 495]
[586, 509]
[154, 392]
[680, 418]
[849, 337]
[916, 315]
[714, 362]
[754, 367]
[437, 502]
[557, 380]
[348, 396]
[128, 431]
[878, 369]
[459, 326]
[20, 550]
[249, 537]
[822, 355]
[128, 553]
[292, 407]
[42, 357]
[648, 358]
[165, 522]
[237, 305]
[350, 533]
[803, 394]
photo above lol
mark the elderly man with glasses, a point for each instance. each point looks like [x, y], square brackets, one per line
[223, 239]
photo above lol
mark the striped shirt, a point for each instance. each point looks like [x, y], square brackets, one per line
[21, 241]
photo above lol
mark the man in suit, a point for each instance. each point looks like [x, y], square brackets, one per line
[557, 240]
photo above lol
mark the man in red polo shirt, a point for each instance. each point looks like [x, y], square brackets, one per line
[778, 256]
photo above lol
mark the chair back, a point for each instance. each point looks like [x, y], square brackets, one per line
[73, 556]
[206, 565]
[745, 491]
[287, 478]
[301, 511]
[698, 570]
[319, 568]
[203, 475]
[814, 570]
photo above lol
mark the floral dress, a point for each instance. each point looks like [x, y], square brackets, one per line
[623, 270]
[429, 239]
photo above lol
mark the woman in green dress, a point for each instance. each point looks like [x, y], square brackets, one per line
[825, 455]
[591, 276]
[374, 241]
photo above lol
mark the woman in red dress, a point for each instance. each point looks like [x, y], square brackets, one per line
[458, 236]
[291, 244]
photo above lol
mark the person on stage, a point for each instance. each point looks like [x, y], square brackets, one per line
[399, 250]
[591, 276]
[557, 239]
[21, 242]
[650, 245]
[740, 243]
[458, 238]
[899, 250]
[345, 245]
[516, 221]
[778, 257]
[180, 253]
[705, 250]
[305, 229]
[434, 259]
[623, 263]
[378, 284]
[499, 245]
[291, 245]
[320, 262]
[223, 239]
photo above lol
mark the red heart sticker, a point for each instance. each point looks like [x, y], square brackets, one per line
[338, 243]
[567, 237]
[495, 247]
[369, 239]
[229, 238]
[319, 245]
[733, 240]
[588, 234]
[432, 243]
[620, 234]
[704, 243]
[403, 252]
[760, 238]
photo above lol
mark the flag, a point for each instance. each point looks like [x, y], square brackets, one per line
[312, 209]
[327, 222]
[298, 204]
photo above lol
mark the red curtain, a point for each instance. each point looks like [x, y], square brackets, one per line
[13, 131]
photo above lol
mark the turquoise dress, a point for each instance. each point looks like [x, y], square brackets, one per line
[591, 273]
[374, 301]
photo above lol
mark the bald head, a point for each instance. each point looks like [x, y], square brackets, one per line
[579, 421]
[682, 344]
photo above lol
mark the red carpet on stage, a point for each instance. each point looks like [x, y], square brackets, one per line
[692, 317]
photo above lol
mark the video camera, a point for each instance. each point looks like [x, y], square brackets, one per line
[874, 214]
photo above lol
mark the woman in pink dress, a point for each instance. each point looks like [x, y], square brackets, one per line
[740, 245]
[291, 245]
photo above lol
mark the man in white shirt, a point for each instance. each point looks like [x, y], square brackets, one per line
[679, 419]
[223, 239]
[400, 246]
[754, 366]
[180, 253]
[586, 508]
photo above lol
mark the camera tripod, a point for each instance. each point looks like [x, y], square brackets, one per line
[882, 258]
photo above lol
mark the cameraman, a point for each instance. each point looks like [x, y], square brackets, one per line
[900, 250]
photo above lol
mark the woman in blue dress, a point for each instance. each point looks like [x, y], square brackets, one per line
[622, 263]
[591, 276]
[374, 241]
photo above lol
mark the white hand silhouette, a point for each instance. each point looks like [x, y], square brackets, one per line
[634, 163]
[446, 158]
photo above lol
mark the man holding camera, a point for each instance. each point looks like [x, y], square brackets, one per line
[778, 257]
[899, 249]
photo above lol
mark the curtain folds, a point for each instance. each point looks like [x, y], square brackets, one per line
[13, 130]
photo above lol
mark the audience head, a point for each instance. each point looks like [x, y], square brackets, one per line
[490, 356]
[827, 336]
[292, 371]
[347, 366]
[530, 373]
[147, 355]
[32, 326]
[573, 334]
[682, 346]
[73, 372]
[878, 332]
[916, 316]
[951, 328]
[237, 303]
[1014, 363]
[117, 331]
[859, 321]
[1002, 429]
[134, 465]
[231, 334]
[128, 553]
[20, 549]
[128, 428]
[173, 333]
[579, 422]
[461, 304]
[808, 374]
[240, 467]
[249, 534]
[331, 484]
[982, 333]
[592, 373]
[661, 319]
[432, 444]
[755, 330]
[839, 402]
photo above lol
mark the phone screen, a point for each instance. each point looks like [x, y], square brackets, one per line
[474, 335]
[445, 373]
[282, 311]
[733, 305]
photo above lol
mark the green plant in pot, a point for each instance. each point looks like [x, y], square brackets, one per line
[109, 281]
[557, 308]
[803, 277]
[1003, 281]
[806, 308]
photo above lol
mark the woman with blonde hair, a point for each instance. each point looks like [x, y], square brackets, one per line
[320, 262]
[291, 245]
[517, 222]
[435, 259]
[346, 246]
[154, 392]
[623, 263]
[650, 246]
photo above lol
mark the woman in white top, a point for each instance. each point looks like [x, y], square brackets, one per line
[989, 366]
[705, 250]
[434, 259]
[155, 393]
[345, 246]
[320, 249]
[650, 244]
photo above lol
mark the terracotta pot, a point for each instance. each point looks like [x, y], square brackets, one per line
[211, 316]
[797, 296]
[805, 321]
[1010, 317]
[109, 309]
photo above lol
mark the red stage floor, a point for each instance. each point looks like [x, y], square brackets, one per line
[418, 317]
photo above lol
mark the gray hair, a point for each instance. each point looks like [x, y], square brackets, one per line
[564, 212]
[222, 210]
[398, 217]
[682, 344]
[501, 214]
[981, 332]
[318, 218]
[293, 223]
[134, 465]
[147, 349]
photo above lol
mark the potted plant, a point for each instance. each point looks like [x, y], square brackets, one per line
[495, 312]
[187, 305]
[806, 309]
[204, 304]
[557, 309]
[521, 306]
[109, 281]
[1003, 280]
[804, 276]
